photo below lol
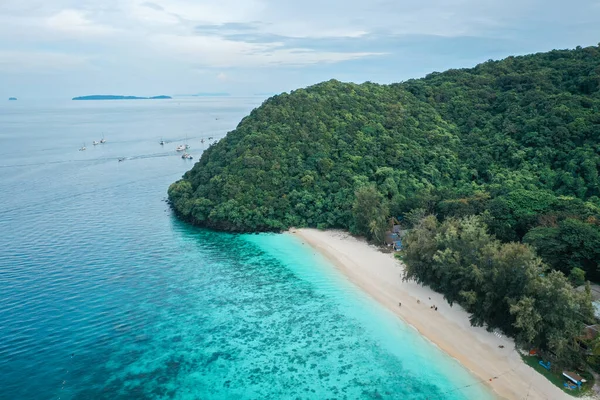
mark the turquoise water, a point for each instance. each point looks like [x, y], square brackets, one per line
[105, 295]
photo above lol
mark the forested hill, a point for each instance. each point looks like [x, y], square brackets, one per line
[516, 141]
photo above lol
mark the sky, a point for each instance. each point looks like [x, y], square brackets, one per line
[66, 48]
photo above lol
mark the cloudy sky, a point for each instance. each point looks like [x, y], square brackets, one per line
[64, 48]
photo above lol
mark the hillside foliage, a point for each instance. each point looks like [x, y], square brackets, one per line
[516, 142]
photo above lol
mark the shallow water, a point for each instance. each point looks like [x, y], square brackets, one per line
[105, 295]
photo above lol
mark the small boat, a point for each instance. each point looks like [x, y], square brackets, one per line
[121, 159]
[186, 156]
[102, 141]
[162, 142]
[210, 138]
[95, 143]
[181, 147]
[82, 148]
[202, 140]
[545, 364]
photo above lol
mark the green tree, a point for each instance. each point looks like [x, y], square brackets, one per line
[502, 285]
[577, 277]
[370, 213]
[571, 244]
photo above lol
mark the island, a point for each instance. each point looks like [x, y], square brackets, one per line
[118, 97]
[12, 99]
[211, 94]
[491, 171]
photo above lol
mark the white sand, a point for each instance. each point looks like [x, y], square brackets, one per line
[379, 275]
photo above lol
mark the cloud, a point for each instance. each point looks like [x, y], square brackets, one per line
[20, 61]
[76, 22]
[215, 11]
[152, 6]
[151, 16]
[219, 52]
[246, 33]
[294, 43]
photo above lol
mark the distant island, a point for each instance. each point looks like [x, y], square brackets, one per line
[211, 94]
[12, 99]
[116, 97]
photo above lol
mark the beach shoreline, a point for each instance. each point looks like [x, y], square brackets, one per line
[379, 275]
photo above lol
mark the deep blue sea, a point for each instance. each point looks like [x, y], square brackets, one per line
[105, 295]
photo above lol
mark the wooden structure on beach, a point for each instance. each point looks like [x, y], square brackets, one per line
[575, 378]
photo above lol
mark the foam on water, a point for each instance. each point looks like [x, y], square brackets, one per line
[105, 295]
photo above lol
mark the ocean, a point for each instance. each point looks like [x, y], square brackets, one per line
[104, 294]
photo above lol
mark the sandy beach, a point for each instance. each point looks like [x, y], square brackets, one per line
[379, 274]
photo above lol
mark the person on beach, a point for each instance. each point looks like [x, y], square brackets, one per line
[399, 304]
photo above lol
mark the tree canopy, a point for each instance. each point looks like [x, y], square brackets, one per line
[514, 141]
[503, 285]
